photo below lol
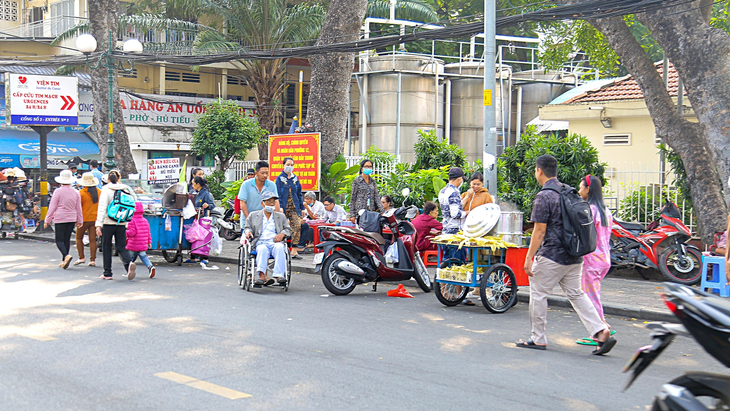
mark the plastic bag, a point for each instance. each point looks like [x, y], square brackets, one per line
[189, 210]
[216, 244]
[391, 256]
[196, 232]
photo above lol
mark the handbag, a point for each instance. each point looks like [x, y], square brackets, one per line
[10, 206]
[369, 221]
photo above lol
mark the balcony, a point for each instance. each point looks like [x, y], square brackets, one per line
[46, 29]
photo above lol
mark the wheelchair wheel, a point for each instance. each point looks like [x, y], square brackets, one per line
[241, 267]
[288, 273]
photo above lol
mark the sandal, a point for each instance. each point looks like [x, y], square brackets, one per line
[469, 303]
[269, 281]
[530, 344]
[103, 277]
[604, 347]
[589, 340]
[281, 280]
[259, 282]
[78, 262]
[92, 264]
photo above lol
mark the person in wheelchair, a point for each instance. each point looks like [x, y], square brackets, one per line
[267, 230]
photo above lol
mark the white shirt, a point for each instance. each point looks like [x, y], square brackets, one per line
[317, 209]
[269, 231]
[337, 214]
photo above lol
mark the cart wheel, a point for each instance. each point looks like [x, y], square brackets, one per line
[16, 236]
[450, 294]
[5, 234]
[498, 288]
[179, 259]
[169, 256]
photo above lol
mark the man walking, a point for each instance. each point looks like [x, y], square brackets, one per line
[553, 265]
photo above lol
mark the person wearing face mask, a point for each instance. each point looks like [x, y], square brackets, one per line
[267, 229]
[365, 194]
[290, 196]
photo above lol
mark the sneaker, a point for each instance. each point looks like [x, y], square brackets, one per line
[152, 272]
[132, 271]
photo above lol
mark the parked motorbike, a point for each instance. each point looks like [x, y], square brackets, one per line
[661, 245]
[230, 228]
[706, 318]
[351, 256]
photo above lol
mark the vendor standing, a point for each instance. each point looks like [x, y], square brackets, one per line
[249, 195]
[477, 194]
[365, 193]
[290, 194]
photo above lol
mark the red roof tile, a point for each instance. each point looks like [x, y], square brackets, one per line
[625, 88]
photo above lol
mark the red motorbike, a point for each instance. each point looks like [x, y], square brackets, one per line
[661, 245]
[351, 257]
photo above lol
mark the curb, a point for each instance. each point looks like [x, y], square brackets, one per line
[217, 259]
[622, 310]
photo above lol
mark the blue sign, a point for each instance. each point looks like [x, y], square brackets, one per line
[59, 144]
[17, 120]
[7, 161]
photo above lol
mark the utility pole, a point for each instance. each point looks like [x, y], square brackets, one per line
[489, 158]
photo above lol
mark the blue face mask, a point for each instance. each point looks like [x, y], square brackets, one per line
[367, 171]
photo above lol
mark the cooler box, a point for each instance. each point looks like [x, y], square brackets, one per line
[515, 260]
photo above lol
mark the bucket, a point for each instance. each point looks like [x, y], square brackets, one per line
[509, 226]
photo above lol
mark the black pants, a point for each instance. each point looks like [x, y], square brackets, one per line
[63, 237]
[307, 235]
[119, 233]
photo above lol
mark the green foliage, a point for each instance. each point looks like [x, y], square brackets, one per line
[432, 153]
[416, 10]
[516, 167]
[333, 178]
[215, 181]
[225, 132]
[381, 157]
[644, 204]
[676, 165]
[232, 188]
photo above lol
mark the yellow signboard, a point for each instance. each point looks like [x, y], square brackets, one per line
[487, 98]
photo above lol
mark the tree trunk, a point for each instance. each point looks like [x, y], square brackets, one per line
[267, 83]
[685, 138]
[104, 16]
[701, 55]
[329, 95]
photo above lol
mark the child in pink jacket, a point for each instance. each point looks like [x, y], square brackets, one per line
[139, 238]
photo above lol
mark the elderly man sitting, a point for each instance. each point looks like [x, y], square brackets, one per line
[267, 229]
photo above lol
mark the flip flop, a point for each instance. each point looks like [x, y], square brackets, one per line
[259, 282]
[586, 341]
[604, 347]
[269, 281]
[530, 344]
[469, 303]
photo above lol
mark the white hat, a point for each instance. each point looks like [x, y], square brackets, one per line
[105, 178]
[19, 174]
[66, 177]
[88, 180]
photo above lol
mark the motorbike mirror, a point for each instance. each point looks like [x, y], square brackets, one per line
[406, 191]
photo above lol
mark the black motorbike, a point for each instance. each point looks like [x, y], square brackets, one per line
[230, 228]
[706, 318]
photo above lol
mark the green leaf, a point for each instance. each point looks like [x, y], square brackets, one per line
[336, 168]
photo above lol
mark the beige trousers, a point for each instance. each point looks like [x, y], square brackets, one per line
[548, 274]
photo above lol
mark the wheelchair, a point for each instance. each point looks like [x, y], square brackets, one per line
[247, 272]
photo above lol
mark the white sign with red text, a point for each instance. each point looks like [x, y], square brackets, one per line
[169, 111]
[41, 100]
[163, 170]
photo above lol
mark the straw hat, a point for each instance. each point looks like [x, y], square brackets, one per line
[19, 174]
[88, 180]
[66, 177]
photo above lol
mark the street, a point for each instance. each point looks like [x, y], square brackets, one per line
[190, 339]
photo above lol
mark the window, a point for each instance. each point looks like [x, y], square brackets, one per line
[232, 80]
[60, 9]
[190, 78]
[617, 139]
[172, 76]
[8, 10]
[182, 94]
[132, 74]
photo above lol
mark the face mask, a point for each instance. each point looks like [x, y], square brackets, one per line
[367, 171]
[269, 209]
[288, 169]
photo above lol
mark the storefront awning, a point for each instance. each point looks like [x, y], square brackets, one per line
[20, 148]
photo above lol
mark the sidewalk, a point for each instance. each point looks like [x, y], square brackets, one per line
[623, 294]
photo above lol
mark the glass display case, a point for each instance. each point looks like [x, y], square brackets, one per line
[150, 195]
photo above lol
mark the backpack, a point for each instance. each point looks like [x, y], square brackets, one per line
[121, 209]
[579, 231]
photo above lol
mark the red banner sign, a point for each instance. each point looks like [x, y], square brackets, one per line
[304, 149]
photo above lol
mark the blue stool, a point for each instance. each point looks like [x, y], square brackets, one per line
[718, 282]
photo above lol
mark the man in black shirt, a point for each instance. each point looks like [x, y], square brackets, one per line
[553, 265]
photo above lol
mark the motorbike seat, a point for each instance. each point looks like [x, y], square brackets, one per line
[375, 236]
[720, 305]
[629, 226]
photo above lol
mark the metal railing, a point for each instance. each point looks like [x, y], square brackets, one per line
[378, 167]
[636, 192]
[43, 29]
[237, 170]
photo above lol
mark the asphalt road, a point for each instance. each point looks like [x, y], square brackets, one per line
[192, 340]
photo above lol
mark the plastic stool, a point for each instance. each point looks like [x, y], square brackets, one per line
[718, 282]
[430, 253]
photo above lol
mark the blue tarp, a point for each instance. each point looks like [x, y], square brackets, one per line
[60, 144]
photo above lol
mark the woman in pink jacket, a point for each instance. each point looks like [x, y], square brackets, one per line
[139, 238]
[65, 212]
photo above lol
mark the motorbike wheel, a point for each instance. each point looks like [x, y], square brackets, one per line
[450, 294]
[498, 289]
[229, 235]
[422, 278]
[335, 283]
[169, 256]
[684, 272]
[712, 399]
